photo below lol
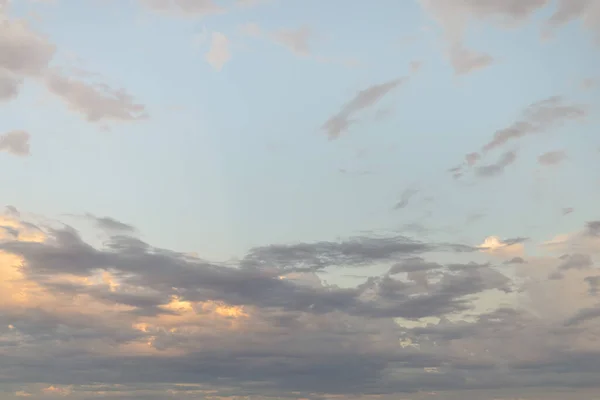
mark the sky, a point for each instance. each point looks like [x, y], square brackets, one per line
[300, 199]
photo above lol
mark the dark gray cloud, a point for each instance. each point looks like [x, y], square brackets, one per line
[340, 122]
[593, 228]
[257, 283]
[301, 337]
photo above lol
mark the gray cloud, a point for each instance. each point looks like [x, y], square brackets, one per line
[465, 61]
[575, 261]
[27, 54]
[183, 7]
[583, 315]
[454, 18]
[536, 118]
[12, 210]
[111, 224]
[407, 194]
[498, 167]
[340, 122]
[302, 337]
[170, 274]
[9, 85]
[552, 157]
[593, 228]
[97, 102]
[296, 40]
[23, 53]
[594, 283]
[567, 210]
[516, 260]
[15, 142]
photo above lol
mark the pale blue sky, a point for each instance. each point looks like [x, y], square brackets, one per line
[237, 158]
[238, 155]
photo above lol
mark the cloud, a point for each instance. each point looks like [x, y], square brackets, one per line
[538, 117]
[296, 40]
[183, 7]
[340, 122]
[23, 54]
[454, 18]
[567, 210]
[15, 142]
[466, 61]
[111, 224]
[96, 102]
[552, 157]
[9, 85]
[407, 194]
[136, 320]
[27, 54]
[22, 51]
[218, 54]
[513, 248]
[498, 167]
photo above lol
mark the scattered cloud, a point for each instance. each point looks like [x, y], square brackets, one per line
[407, 194]
[219, 54]
[567, 210]
[15, 142]
[183, 7]
[498, 167]
[96, 102]
[296, 40]
[454, 18]
[538, 117]
[552, 157]
[111, 224]
[466, 61]
[340, 122]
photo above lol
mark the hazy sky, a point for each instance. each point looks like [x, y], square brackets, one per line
[300, 199]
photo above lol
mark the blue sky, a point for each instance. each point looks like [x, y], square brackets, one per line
[206, 133]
